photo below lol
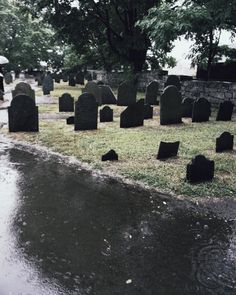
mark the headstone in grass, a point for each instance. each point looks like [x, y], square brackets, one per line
[200, 169]
[224, 142]
[170, 106]
[107, 95]
[225, 111]
[93, 88]
[187, 107]
[152, 92]
[8, 78]
[167, 150]
[79, 78]
[106, 114]
[88, 76]
[23, 114]
[127, 93]
[148, 111]
[66, 103]
[201, 110]
[133, 115]
[94, 76]
[70, 120]
[57, 78]
[40, 78]
[86, 112]
[64, 77]
[110, 156]
[72, 81]
[23, 88]
[48, 84]
[173, 80]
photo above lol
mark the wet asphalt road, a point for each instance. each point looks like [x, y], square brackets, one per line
[65, 231]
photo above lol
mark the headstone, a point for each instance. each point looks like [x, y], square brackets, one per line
[23, 114]
[93, 88]
[152, 92]
[72, 81]
[148, 112]
[167, 150]
[79, 79]
[201, 110]
[66, 103]
[170, 106]
[133, 115]
[110, 156]
[200, 169]
[99, 83]
[64, 77]
[23, 88]
[48, 84]
[88, 76]
[107, 95]
[94, 76]
[57, 78]
[127, 93]
[173, 80]
[8, 78]
[225, 142]
[1, 95]
[106, 114]
[187, 107]
[70, 120]
[86, 112]
[225, 111]
[40, 79]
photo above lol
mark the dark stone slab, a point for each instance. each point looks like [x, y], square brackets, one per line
[40, 79]
[107, 95]
[200, 169]
[72, 81]
[23, 88]
[127, 93]
[152, 92]
[106, 114]
[88, 76]
[110, 156]
[57, 78]
[93, 88]
[86, 112]
[187, 107]
[173, 80]
[94, 75]
[170, 106]
[79, 78]
[201, 110]
[133, 115]
[224, 142]
[99, 83]
[70, 120]
[8, 78]
[23, 114]
[167, 150]
[48, 84]
[148, 112]
[66, 103]
[225, 111]
[64, 77]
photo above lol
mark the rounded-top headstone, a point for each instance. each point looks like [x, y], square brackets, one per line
[93, 88]
[152, 91]
[173, 80]
[23, 88]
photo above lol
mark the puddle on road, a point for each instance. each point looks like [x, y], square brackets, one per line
[64, 231]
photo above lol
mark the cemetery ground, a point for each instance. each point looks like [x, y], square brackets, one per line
[137, 148]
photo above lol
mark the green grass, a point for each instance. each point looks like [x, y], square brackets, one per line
[61, 88]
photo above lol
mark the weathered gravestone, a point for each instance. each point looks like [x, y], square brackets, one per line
[23, 114]
[148, 112]
[48, 84]
[170, 106]
[39, 79]
[8, 78]
[93, 88]
[152, 92]
[133, 115]
[79, 79]
[110, 156]
[88, 76]
[70, 120]
[64, 77]
[201, 110]
[187, 107]
[94, 75]
[127, 93]
[107, 95]
[167, 150]
[225, 111]
[225, 142]
[72, 81]
[106, 114]
[23, 88]
[57, 78]
[66, 103]
[86, 112]
[200, 169]
[173, 80]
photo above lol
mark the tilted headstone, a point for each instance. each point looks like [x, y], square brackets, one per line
[110, 156]
[93, 88]
[152, 92]
[133, 115]
[127, 93]
[23, 114]
[106, 114]
[167, 150]
[79, 79]
[170, 106]
[66, 103]
[86, 112]
[70, 120]
[48, 84]
[173, 80]
[225, 111]
[201, 110]
[148, 112]
[107, 95]
[8, 78]
[200, 169]
[187, 107]
[23, 88]
[72, 81]
[224, 142]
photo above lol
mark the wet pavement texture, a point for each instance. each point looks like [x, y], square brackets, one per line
[66, 231]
